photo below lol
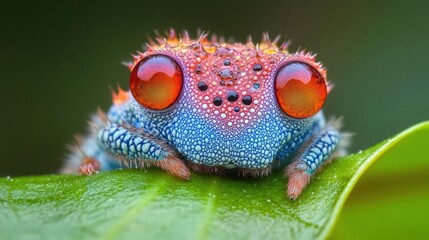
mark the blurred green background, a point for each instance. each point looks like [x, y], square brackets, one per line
[58, 60]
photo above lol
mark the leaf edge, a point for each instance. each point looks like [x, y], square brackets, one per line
[386, 145]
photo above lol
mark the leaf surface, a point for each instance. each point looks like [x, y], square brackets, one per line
[150, 204]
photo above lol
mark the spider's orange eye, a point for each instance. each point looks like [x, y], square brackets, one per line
[300, 90]
[156, 82]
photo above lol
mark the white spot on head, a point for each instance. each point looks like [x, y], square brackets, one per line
[230, 124]
[204, 106]
[223, 115]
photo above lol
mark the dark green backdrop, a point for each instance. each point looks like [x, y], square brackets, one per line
[58, 59]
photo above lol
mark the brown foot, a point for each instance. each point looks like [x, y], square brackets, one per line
[175, 167]
[297, 180]
[89, 166]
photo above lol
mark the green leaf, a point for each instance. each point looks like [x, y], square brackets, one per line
[150, 204]
[391, 199]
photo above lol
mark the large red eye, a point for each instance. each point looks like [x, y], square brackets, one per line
[156, 82]
[300, 90]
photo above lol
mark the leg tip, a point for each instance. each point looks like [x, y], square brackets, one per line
[89, 166]
[293, 191]
[184, 174]
[297, 181]
[175, 167]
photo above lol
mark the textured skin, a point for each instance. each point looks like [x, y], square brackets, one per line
[207, 138]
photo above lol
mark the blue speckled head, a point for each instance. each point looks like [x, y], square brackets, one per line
[227, 113]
